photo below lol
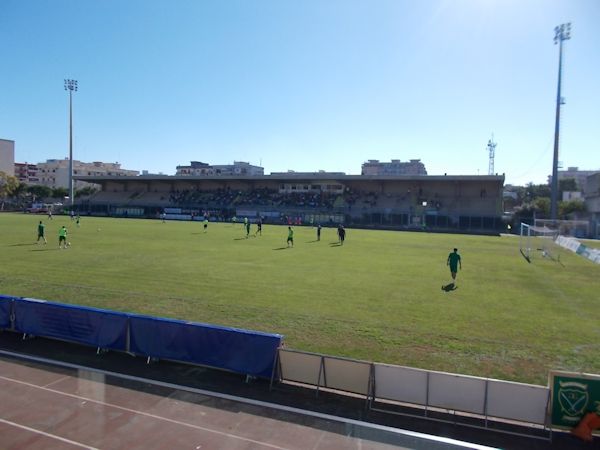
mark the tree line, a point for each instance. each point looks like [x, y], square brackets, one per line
[19, 194]
[533, 201]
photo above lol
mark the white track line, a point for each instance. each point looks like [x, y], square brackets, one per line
[66, 377]
[142, 413]
[53, 436]
[248, 401]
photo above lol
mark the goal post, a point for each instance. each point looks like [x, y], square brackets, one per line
[535, 240]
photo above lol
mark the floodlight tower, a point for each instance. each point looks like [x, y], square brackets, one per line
[71, 85]
[561, 33]
[491, 146]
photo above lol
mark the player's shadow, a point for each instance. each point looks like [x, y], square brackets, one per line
[20, 245]
[310, 242]
[335, 244]
[240, 239]
[282, 248]
[449, 287]
[44, 249]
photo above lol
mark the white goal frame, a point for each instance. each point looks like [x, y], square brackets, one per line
[534, 239]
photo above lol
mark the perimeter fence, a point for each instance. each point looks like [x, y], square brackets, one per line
[503, 406]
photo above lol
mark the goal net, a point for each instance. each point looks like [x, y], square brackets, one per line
[535, 241]
[568, 228]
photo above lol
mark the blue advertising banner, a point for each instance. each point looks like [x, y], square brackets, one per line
[242, 351]
[5, 310]
[90, 326]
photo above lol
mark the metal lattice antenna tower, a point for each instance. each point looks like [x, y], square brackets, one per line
[491, 146]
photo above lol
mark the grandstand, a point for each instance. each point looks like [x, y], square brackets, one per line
[442, 203]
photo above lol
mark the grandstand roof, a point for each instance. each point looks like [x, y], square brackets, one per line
[290, 176]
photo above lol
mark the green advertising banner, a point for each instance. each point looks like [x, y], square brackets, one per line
[573, 395]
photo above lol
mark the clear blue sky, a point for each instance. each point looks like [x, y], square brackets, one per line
[302, 85]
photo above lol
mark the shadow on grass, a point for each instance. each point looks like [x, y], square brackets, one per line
[335, 244]
[44, 249]
[310, 242]
[449, 287]
[282, 248]
[20, 245]
[240, 239]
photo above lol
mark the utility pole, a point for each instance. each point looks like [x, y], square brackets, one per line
[561, 33]
[71, 85]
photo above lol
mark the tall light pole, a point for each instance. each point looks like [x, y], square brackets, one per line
[71, 85]
[561, 33]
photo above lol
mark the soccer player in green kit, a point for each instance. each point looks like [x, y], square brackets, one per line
[454, 263]
[62, 237]
[41, 232]
[290, 239]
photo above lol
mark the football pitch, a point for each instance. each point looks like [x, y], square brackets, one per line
[378, 297]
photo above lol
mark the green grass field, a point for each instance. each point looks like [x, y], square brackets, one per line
[377, 298]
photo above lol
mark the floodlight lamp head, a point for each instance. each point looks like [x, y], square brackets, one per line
[562, 32]
[71, 85]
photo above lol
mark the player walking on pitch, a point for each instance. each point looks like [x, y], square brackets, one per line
[258, 227]
[342, 234]
[290, 239]
[41, 232]
[454, 263]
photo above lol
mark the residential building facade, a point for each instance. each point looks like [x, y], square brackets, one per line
[7, 156]
[394, 167]
[592, 202]
[238, 168]
[54, 173]
[580, 177]
[27, 173]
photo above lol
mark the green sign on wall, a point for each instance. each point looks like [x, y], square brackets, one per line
[573, 395]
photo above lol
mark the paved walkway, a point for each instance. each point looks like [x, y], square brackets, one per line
[45, 407]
